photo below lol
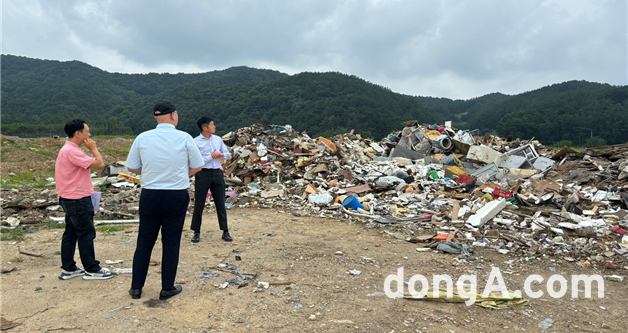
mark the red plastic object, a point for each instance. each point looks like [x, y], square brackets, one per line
[497, 193]
[616, 229]
[466, 180]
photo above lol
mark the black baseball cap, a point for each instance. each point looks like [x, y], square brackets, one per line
[163, 108]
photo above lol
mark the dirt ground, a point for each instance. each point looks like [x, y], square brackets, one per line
[303, 250]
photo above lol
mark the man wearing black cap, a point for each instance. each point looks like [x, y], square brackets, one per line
[166, 158]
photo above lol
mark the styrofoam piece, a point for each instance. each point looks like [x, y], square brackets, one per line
[377, 147]
[507, 222]
[486, 213]
[401, 160]
[570, 226]
[558, 231]
[483, 154]
[465, 137]
[535, 227]
[599, 196]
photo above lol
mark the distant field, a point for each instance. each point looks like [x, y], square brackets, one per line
[28, 163]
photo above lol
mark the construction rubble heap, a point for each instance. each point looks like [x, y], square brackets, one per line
[435, 186]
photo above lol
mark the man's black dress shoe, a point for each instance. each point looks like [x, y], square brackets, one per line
[135, 293]
[226, 237]
[196, 238]
[165, 294]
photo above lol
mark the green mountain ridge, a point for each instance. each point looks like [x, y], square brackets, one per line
[490, 117]
[461, 110]
[39, 96]
[319, 103]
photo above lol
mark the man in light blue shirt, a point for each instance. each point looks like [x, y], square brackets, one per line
[166, 158]
[210, 178]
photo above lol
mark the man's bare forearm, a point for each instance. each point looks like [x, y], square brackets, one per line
[194, 170]
[98, 164]
[136, 171]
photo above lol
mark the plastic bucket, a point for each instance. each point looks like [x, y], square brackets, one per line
[351, 202]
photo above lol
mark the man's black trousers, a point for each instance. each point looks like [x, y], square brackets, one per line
[213, 180]
[165, 210]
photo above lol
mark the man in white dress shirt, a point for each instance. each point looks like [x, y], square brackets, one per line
[166, 158]
[210, 178]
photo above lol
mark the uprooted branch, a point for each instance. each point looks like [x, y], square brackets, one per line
[36, 313]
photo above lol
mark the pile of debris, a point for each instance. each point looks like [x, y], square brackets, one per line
[435, 184]
[515, 196]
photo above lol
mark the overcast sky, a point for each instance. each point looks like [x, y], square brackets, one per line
[458, 49]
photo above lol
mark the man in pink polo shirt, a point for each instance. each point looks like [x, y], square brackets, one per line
[74, 186]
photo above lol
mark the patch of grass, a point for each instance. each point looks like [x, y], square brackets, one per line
[4, 141]
[10, 145]
[38, 150]
[43, 152]
[110, 228]
[57, 253]
[55, 225]
[26, 180]
[17, 234]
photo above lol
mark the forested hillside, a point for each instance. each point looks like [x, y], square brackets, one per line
[571, 111]
[39, 96]
[459, 111]
[319, 103]
[574, 117]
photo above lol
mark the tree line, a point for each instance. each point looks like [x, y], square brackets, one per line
[40, 96]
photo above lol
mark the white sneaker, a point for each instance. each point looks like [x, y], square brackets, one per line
[102, 274]
[66, 275]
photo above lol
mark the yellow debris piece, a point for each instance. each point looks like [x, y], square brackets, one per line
[493, 301]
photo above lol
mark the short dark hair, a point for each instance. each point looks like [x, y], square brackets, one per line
[72, 126]
[203, 121]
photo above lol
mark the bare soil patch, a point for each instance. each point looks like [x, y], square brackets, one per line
[323, 298]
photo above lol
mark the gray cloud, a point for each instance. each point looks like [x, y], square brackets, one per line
[455, 49]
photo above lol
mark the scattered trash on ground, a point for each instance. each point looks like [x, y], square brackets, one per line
[515, 196]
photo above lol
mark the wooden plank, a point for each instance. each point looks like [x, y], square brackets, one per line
[454, 212]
